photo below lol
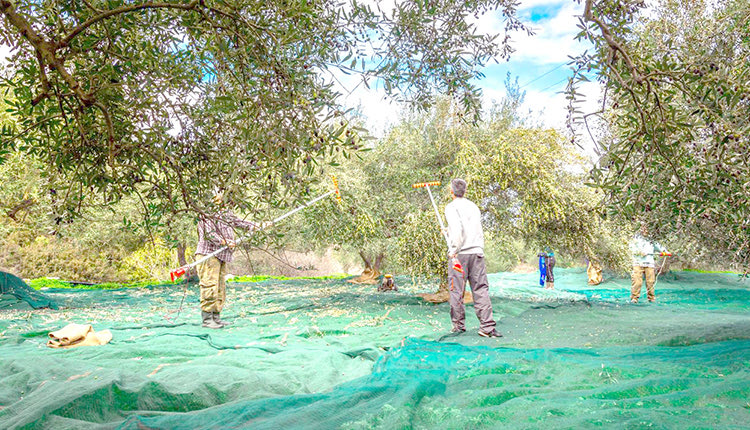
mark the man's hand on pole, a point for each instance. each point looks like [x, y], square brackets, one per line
[228, 243]
[457, 264]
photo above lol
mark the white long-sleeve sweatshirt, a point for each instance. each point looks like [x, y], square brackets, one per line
[465, 235]
[643, 251]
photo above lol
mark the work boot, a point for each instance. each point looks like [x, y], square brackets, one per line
[208, 320]
[219, 321]
[493, 333]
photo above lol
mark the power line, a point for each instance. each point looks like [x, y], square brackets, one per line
[556, 83]
[541, 76]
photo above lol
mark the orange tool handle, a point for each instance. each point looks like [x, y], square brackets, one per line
[336, 188]
[426, 184]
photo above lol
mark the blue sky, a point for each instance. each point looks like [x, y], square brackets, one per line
[539, 63]
[541, 12]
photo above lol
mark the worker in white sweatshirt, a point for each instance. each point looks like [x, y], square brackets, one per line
[466, 243]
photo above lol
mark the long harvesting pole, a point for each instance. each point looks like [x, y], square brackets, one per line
[456, 264]
[178, 272]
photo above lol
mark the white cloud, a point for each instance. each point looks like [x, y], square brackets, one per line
[552, 43]
[552, 111]
[528, 4]
[380, 113]
[553, 106]
[4, 53]
[553, 39]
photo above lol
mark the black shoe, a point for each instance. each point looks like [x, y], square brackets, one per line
[493, 333]
[458, 330]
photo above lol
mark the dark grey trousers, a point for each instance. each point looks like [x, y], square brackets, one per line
[475, 271]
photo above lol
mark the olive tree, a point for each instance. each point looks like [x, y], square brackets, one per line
[379, 200]
[170, 99]
[676, 102]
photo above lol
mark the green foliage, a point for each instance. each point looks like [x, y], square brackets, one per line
[422, 249]
[610, 245]
[36, 256]
[24, 201]
[504, 252]
[94, 247]
[528, 182]
[677, 98]
[378, 193]
[168, 100]
[154, 260]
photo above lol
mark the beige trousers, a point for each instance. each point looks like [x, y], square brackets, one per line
[636, 281]
[213, 288]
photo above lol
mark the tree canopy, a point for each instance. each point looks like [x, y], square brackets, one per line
[675, 105]
[171, 99]
[529, 183]
[159, 103]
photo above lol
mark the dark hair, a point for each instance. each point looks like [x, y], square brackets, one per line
[458, 186]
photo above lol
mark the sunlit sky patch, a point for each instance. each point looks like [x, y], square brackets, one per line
[540, 63]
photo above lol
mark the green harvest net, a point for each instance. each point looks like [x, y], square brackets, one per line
[15, 294]
[326, 354]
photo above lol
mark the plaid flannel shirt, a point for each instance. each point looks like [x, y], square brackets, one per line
[213, 231]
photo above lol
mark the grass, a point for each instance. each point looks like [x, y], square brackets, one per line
[730, 272]
[40, 283]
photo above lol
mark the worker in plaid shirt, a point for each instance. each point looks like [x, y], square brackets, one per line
[214, 233]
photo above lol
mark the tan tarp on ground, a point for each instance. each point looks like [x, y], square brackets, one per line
[594, 272]
[73, 335]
